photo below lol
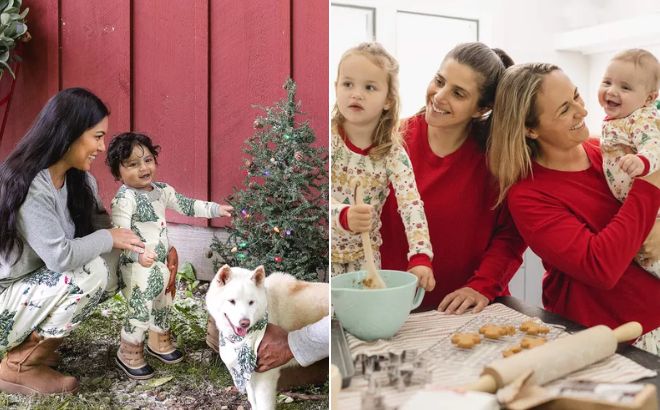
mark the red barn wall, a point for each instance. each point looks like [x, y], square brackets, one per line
[184, 72]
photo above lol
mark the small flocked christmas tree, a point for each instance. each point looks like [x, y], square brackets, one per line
[280, 213]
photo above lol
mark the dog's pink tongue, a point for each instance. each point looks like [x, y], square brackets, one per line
[241, 331]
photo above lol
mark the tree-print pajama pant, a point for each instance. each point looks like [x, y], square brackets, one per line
[52, 303]
[148, 305]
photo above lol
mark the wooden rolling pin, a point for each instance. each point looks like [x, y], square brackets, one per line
[558, 357]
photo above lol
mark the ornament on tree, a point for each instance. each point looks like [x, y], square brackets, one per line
[242, 245]
[276, 229]
[240, 256]
[298, 155]
[287, 137]
[288, 232]
[234, 250]
[278, 259]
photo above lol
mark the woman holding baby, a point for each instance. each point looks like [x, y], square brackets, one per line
[551, 175]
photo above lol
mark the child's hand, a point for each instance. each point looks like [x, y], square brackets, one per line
[425, 276]
[631, 164]
[225, 210]
[147, 258]
[359, 218]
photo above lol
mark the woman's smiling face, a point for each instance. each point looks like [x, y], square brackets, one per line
[452, 96]
[86, 148]
[560, 110]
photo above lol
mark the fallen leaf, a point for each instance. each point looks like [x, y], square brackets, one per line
[160, 381]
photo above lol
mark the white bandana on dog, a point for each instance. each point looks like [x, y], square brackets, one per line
[246, 352]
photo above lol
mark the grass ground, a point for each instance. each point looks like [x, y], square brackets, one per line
[200, 381]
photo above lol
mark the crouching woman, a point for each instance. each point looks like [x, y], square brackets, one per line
[52, 273]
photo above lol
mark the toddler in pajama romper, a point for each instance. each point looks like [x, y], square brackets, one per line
[140, 205]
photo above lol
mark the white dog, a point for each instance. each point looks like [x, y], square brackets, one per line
[242, 302]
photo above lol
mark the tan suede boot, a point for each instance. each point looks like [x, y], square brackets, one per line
[212, 334]
[160, 346]
[23, 369]
[130, 358]
[54, 358]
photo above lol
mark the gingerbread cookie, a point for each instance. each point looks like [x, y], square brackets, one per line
[533, 328]
[465, 340]
[495, 331]
[511, 351]
[531, 342]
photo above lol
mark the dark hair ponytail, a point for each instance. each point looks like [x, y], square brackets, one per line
[64, 118]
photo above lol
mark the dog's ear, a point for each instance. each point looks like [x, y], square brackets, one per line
[224, 274]
[259, 275]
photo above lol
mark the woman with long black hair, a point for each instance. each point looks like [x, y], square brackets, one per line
[53, 234]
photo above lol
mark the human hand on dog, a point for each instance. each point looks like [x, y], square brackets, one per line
[147, 258]
[274, 348]
[461, 300]
[425, 276]
[359, 218]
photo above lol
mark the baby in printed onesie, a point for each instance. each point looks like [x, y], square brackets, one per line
[140, 205]
[630, 139]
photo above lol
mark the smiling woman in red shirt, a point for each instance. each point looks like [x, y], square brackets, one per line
[476, 247]
[551, 175]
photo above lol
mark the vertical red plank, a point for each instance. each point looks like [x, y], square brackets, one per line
[250, 60]
[170, 102]
[40, 67]
[310, 63]
[96, 52]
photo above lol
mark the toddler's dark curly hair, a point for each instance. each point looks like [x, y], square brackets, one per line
[121, 148]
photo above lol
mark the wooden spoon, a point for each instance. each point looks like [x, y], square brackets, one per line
[373, 279]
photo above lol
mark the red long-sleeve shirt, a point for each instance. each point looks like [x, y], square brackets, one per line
[587, 240]
[473, 245]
